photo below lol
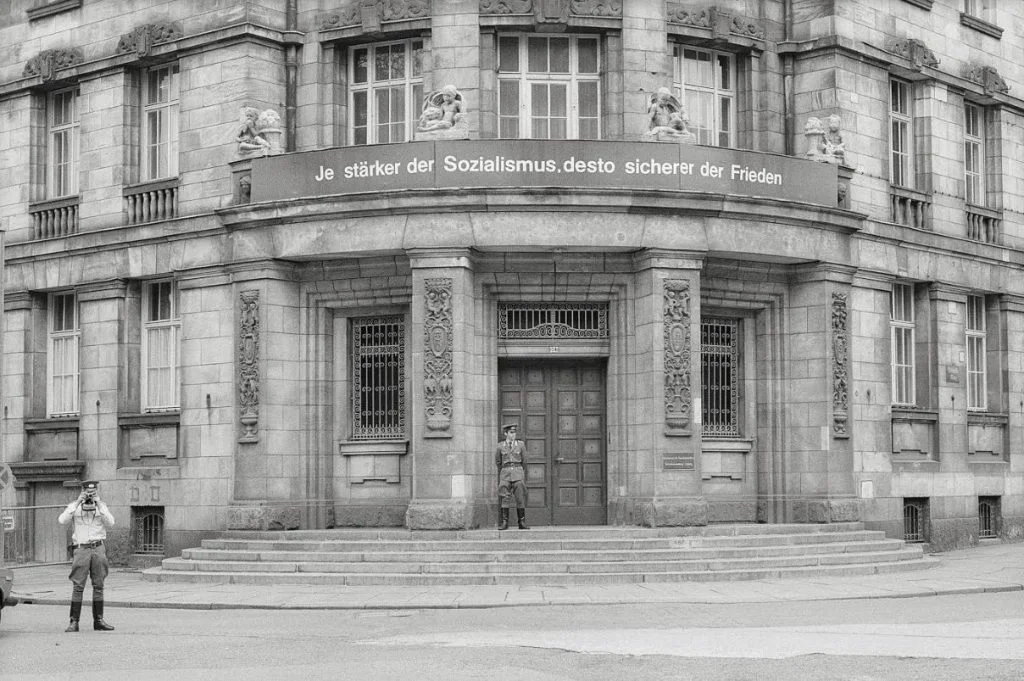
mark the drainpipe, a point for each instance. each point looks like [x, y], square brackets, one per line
[788, 98]
[291, 74]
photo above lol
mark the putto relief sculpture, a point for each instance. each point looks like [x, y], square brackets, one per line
[259, 132]
[668, 121]
[825, 141]
[443, 116]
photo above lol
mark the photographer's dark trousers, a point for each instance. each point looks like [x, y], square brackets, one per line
[90, 562]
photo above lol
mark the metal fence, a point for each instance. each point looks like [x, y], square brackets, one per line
[32, 535]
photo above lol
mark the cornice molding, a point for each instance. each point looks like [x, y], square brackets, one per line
[48, 9]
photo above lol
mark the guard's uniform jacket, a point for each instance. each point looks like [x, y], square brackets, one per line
[510, 459]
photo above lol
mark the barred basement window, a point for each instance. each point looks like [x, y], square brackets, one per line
[915, 517]
[719, 366]
[148, 529]
[988, 517]
[378, 378]
[553, 320]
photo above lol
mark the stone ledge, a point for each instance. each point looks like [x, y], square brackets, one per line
[439, 514]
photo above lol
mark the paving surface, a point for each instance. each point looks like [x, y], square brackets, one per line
[987, 568]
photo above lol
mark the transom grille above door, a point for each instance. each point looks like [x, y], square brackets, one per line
[552, 320]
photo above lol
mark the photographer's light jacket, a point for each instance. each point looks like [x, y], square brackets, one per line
[89, 525]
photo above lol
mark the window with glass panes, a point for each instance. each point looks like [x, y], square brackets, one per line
[378, 377]
[62, 138]
[62, 355]
[160, 123]
[706, 82]
[974, 154]
[901, 323]
[976, 353]
[981, 9]
[549, 87]
[161, 327]
[901, 141]
[385, 91]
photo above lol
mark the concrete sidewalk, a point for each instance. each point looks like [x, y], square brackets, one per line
[985, 569]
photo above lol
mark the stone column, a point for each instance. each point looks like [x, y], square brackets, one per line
[1012, 310]
[664, 430]
[448, 443]
[947, 340]
[20, 338]
[818, 484]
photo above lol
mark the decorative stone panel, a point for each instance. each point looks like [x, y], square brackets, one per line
[722, 24]
[914, 50]
[987, 77]
[248, 365]
[142, 39]
[437, 366]
[47, 63]
[840, 356]
[371, 13]
[554, 11]
[677, 354]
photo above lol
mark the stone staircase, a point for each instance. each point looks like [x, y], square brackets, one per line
[547, 555]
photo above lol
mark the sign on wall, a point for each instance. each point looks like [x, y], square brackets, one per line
[542, 163]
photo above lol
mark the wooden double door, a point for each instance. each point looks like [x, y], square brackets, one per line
[559, 407]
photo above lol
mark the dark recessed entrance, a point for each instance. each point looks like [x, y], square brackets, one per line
[560, 409]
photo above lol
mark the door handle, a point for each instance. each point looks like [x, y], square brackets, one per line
[559, 459]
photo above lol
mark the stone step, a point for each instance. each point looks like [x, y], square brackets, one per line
[560, 532]
[566, 565]
[521, 554]
[538, 542]
[539, 579]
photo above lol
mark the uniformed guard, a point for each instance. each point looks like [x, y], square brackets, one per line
[91, 518]
[511, 461]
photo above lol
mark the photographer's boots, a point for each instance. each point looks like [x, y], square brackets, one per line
[76, 614]
[521, 514]
[504, 519]
[97, 617]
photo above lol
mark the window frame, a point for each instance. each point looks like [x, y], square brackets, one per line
[975, 145]
[411, 84]
[714, 133]
[525, 122]
[732, 426]
[68, 339]
[170, 325]
[902, 166]
[62, 184]
[902, 332]
[976, 338]
[167, 111]
[980, 9]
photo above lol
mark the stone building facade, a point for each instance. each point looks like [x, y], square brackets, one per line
[264, 270]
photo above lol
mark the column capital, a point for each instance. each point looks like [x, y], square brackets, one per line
[19, 300]
[881, 281]
[663, 258]
[954, 294]
[433, 258]
[102, 290]
[824, 271]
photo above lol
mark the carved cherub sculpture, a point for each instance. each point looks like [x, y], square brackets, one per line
[249, 137]
[834, 146]
[668, 120]
[442, 109]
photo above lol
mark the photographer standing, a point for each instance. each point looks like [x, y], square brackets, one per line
[91, 519]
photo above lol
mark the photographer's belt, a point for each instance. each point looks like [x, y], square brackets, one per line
[90, 544]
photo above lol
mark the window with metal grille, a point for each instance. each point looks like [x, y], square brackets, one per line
[988, 517]
[148, 529]
[915, 520]
[378, 378]
[901, 323]
[720, 369]
[976, 353]
[554, 320]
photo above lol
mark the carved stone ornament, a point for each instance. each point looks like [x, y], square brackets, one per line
[914, 50]
[840, 355]
[248, 365]
[47, 63]
[596, 8]
[443, 116]
[987, 77]
[825, 141]
[678, 402]
[722, 23]
[667, 119]
[371, 13]
[143, 38]
[506, 6]
[437, 365]
[259, 132]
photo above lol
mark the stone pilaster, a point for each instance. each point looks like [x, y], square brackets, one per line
[447, 442]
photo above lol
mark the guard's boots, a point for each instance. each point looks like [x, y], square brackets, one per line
[76, 614]
[97, 617]
[521, 513]
[504, 519]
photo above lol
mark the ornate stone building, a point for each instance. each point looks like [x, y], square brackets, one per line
[291, 263]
